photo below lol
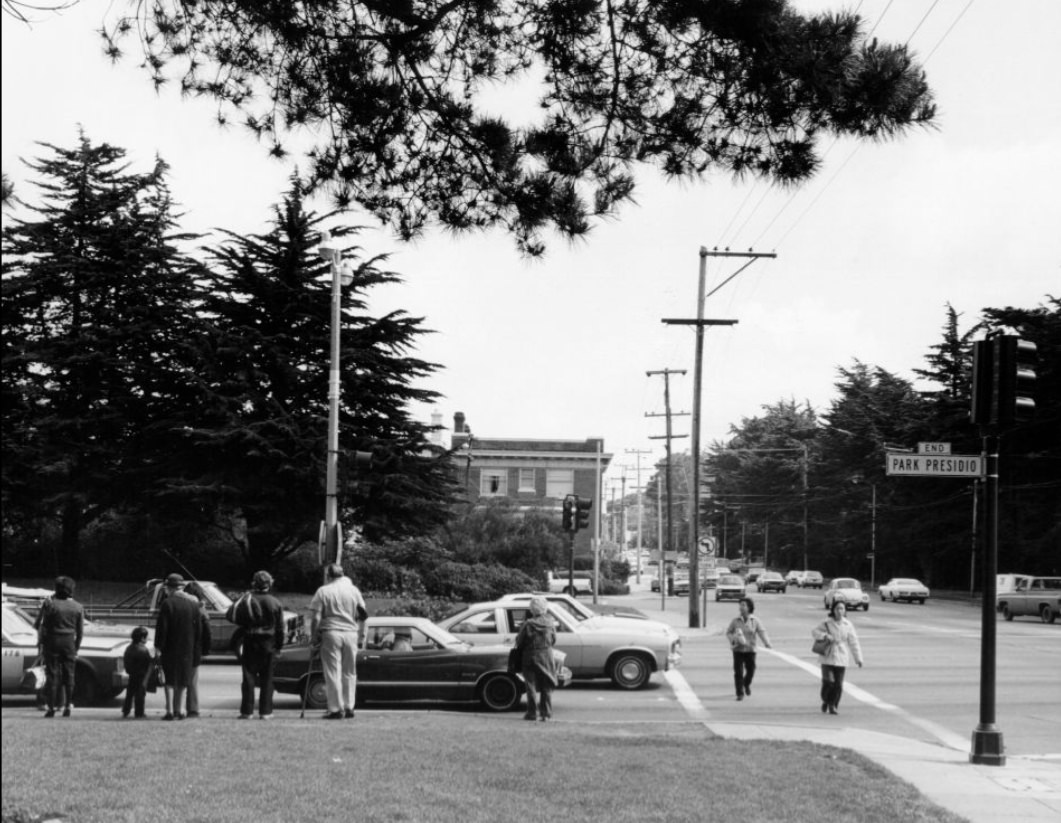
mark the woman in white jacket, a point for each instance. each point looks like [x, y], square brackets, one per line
[843, 646]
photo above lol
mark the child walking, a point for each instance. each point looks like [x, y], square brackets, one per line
[138, 662]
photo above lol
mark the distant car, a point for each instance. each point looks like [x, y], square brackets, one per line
[793, 577]
[100, 673]
[710, 578]
[904, 588]
[626, 651]
[753, 574]
[848, 591]
[811, 580]
[771, 582]
[730, 587]
[440, 668]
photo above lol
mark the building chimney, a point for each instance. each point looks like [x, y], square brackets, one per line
[458, 423]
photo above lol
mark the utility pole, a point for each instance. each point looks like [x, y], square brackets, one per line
[669, 436]
[694, 496]
[640, 514]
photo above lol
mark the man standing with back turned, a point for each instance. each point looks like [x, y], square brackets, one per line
[338, 613]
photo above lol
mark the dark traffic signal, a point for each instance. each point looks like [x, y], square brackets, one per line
[569, 514]
[1003, 381]
[583, 507]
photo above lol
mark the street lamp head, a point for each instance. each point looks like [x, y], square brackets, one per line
[326, 250]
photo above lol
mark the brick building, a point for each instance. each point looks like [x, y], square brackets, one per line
[533, 474]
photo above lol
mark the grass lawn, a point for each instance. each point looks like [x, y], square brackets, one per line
[432, 766]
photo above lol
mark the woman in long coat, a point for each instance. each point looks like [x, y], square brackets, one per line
[179, 638]
[535, 641]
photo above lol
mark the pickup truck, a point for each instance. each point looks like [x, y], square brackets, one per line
[558, 583]
[1033, 596]
[141, 609]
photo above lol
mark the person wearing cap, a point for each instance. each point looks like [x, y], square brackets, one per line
[535, 642]
[338, 617]
[60, 626]
[262, 621]
[179, 636]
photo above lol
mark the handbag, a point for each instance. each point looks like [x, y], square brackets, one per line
[155, 678]
[821, 645]
[34, 678]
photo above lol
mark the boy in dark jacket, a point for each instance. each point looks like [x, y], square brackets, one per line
[138, 662]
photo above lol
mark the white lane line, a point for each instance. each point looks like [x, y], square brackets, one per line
[942, 734]
[686, 696]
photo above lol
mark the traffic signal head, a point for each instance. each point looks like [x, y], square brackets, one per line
[569, 514]
[1016, 387]
[583, 507]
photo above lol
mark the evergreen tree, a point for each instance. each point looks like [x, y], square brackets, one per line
[389, 93]
[256, 453]
[96, 317]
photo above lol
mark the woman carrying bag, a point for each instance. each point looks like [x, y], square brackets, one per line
[535, 643]
[836, 644]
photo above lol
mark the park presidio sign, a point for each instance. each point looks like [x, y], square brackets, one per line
[934, 465]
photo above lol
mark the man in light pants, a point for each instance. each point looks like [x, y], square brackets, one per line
[338, 617]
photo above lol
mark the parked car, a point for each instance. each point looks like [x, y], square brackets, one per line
[730, 587]
[440, 668]
[100, 674]
[1033, 596]
[771, 582]
[627, 652]
[811, 580]
[582, 611]
[904, 588]
[848, 591]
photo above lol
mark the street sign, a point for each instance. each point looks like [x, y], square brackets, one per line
[925, 465]
[933, 448]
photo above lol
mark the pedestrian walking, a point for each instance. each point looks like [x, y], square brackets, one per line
[535, 642]
[198, 594]
[139, 660]
[743, 633]
[261, 616]
[338, 619]
[179, 636]
[60, 626]
[842, 646]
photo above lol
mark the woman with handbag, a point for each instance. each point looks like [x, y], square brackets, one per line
[535, 643]
[836, 644]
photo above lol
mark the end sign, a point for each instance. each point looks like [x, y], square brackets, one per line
[930, 465]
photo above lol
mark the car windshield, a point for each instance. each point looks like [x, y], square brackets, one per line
[731, 580]
[906, 581]
[771, 576]
[847, 583]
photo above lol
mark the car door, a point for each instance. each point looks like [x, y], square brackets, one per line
[20, 643]
[427, 671]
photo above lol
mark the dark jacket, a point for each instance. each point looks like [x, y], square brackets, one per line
[535, 641]
[264, 620]
[60, 617]
[182, 633]
[137, 659]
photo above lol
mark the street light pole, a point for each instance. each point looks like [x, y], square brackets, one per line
[331, 548]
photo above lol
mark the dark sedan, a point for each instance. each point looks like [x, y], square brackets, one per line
[771, 582]
[439, 668]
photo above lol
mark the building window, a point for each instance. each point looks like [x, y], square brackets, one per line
[526, 480]
[559, 482]
[494, 483]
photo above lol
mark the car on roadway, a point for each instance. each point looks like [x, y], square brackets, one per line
[99, 675]
[811, 580]
[626, 652]
[710, 578]
[846, 590]
[754, 572]
[793, 577]
[580, 610]
[730, 587]
[771, 582]
[904, 588]
[439, 668]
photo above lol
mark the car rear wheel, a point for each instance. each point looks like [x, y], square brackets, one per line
[500, 693]
[921, 601]
[630, 671]
[316, 693]
[1006, 613]
[1047, 614]
[865, 607]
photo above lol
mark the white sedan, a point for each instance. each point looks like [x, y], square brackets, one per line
[626, 651]
[904, 588]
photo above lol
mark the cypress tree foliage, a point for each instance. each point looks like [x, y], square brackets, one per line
[96, 318]
[257, 450]
[390, 94]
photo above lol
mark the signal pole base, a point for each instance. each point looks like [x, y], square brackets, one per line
[988, 749]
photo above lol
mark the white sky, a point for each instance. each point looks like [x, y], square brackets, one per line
[869, 252]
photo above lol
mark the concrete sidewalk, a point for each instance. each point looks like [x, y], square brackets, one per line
[1024, 790]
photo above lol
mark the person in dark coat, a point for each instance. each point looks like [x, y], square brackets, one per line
[179, 638]
[60, 626]
[138, 659]
[535, 642]
[197, 593]
[261, 616]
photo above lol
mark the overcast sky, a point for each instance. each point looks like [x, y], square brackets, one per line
[869, 253]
